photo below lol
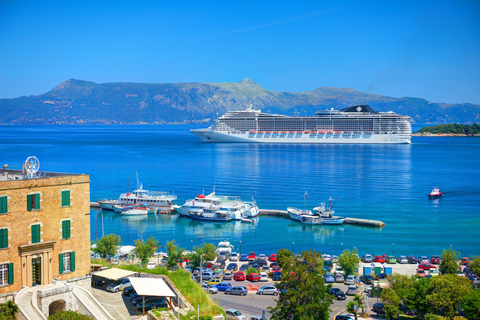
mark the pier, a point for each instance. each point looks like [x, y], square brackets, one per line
[284, 214]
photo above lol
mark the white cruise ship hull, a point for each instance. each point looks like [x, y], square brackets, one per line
[336, 138]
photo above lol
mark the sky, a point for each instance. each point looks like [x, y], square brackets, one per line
[424, 49]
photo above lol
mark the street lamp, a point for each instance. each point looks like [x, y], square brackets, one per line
[293, 244]
[191, 246]
[393, 249]
[240, 247]
[341, 246]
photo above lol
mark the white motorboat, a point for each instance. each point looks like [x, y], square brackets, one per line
[310, 219]
[224, 246]
[296, 214]
[134, 212]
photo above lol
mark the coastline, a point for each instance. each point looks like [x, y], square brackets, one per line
[428, 134]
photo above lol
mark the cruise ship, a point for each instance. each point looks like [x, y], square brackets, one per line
[356, 124]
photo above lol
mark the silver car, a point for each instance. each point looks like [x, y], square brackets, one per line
[233, 314]
[119, 285]
[339, 278]
[402, 259]
[352, 290]
[208, 288]
[351, 279]
[234, 256]
[228, 275]
[269, 289]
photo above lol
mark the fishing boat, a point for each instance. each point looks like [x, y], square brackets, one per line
[310, 219]
[327, 214]
[436, 193]
[296, 213]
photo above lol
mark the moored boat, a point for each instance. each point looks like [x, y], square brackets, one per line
[310, 219]
[134, 212]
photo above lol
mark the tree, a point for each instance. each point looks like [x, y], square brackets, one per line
[8, 310]
[475, 265]
[145, 250]
[349, 260]
[447, 294]
[303, 294]
[416, 296]
[251, 270]
[471, 305]
[391, 302]
[206, 249]
[174, 254]
[107, 246]
[69, 315]
[449, 265]
[283, 255]
[401, 284]
[358, 302]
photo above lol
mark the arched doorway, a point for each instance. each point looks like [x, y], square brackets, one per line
[56, 306]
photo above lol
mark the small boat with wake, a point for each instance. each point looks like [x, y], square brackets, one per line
[436, 193]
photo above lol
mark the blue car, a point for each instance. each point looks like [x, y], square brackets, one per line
[222, 286]
[152, 303]
[329, 278]
[244, 257]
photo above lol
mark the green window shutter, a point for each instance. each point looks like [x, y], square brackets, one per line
[3, 238]
[36, 233]
[60, 263]
[66, 229]
[72, 261]
[37, 201]
[3, 204]
[66, 198]
[10, 273]
[29, 202]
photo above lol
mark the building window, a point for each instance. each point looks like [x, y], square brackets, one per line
[66, 229]
[35, 233]
[65, 198]
[3, 204]
[6, 274]
[66, 262]
[3, 238]
[33, 201]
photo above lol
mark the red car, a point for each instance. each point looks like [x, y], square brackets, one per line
[421, 273]
[239, 276]
[465, 260]
[435, 260]
[426, 266]
[253, 277]
[276, 269]
[272, 257]
[251, 256]
[379, 259]
[208, 264]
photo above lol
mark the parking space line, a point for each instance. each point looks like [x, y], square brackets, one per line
[334, 308]
[339, 313]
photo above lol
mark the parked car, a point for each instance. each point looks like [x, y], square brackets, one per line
[220, 264]
[151, 265]
[379, 259]
[233, 314]
[378, 308]
[222, 286]
[339, 270]
[251, 256]
[327, 268]
[272, 257]
[206, 276]
[119, 285]
[421, 273]
[426, 266]
[435, 260]
[326, 257]
[263, 277]
[228, 275]
[412, 260]
[259, 262]
[213, 282]
[232, 266]
[423, 259]
[243, 257]
[243, 267]
[433, 272]
[151, 303]
[277, 276]
[253, 277]
[257, 318]
[460, 273]
[329, 278]
[340, 278]
[222, 256]
[381, 276]
[335, 259]
[276, 269]
[239, 276]
[391, 260]
[268, 289]
[265, 268]
[465, 261]
[367, 279]
[208, 288]
[402, 259]
[351, 279]
[352, 290]
[338, 293]
[238, 290]
[367, 258]
[344, 317]
[234, 256]
[262, 256]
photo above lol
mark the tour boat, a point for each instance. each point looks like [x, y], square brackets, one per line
[436, 193]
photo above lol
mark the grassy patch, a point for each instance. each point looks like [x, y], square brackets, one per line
[191, 290]
[103, 262]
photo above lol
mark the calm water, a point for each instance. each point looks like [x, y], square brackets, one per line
[383, 182]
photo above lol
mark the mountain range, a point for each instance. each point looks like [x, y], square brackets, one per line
[84, 102]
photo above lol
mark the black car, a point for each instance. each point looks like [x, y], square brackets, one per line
[343, 317]
[232, 267]
[339, 295]
[220, 264]
[367, 279]
[259, 262]
[244, 267]
[273, 264]
[412, 260]
[378, 308]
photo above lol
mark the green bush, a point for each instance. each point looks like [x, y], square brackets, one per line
[431, 316]
[69, 315]
[251, 270]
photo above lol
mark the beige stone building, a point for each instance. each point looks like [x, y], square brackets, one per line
[44, 228]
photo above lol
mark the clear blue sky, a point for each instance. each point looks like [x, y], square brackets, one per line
[426, 49]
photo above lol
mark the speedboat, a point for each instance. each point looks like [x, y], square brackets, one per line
[119, 208]
[436, 193]
[134, 212]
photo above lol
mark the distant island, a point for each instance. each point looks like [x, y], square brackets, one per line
[452, 129]
[84, 102]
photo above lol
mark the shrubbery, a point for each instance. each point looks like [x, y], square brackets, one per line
[69, 315]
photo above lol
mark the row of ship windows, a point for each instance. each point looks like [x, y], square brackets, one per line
[66, 263]
[34, 200]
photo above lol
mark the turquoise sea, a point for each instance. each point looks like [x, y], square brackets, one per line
[381, 182]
